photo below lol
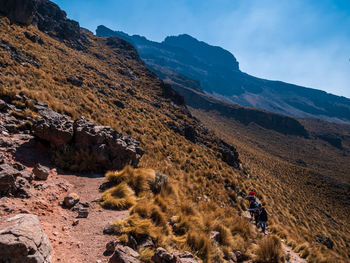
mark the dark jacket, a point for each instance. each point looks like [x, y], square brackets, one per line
[263, 215]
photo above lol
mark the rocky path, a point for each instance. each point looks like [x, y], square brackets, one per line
[88, 234]
[84, 242]
[291, 256]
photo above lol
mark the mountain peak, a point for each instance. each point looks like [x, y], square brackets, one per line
[212, 55]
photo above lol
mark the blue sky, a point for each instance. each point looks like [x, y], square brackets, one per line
[305, 42]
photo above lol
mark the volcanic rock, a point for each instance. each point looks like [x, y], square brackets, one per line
[162, 256]
[71, 200]
[11, 182]
[41, 172]
[53, 127]
[19, 11]
[124, 254]
[23, 240]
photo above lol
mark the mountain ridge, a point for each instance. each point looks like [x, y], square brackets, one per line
[236, 86]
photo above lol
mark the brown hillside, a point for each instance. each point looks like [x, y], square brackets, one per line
[189, 183]
[304, 180]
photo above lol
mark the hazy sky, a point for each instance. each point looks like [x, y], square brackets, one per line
[305, 42]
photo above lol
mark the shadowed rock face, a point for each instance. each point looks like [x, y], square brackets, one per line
[23, 240]
[19, 11]
[48, 17]
[107, 148]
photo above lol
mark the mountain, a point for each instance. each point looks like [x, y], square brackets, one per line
[101, 158]
[218, 73]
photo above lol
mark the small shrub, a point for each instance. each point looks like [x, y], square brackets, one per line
[269, 250]
[146, 255]
[225, 235]
[242, 227]
[200, 243]
[161, 203]
[119, 197]
[138, 179]
[159, 182]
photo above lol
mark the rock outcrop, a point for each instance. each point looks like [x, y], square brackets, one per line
[53, 127]
[162, 256]
[107, 147]
[48, 17]
[13, 181]
[19, 11]
[23, 240]
[124, 254]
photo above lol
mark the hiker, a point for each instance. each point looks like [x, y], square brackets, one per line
[251, 196]
[256, 215]
[252, 192]
[262, 219]
[252, 207]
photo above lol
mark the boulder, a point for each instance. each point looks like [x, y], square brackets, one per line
[3, 105]
[41, 172]
[107, 147]
[83, 212]
[325, 240]
[124, 254]
[229, 154]
[78, 82]
[23, 240]
[162, 256]
[71, 200]
[19, 11]
[53, 127]
[108, 229]
[110, 246]
[12, 183]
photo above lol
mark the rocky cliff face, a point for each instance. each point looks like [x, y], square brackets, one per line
[47, 16]
[19, 11]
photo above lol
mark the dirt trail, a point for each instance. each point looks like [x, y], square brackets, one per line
[84, 242]
[88, 240]
[291, 256]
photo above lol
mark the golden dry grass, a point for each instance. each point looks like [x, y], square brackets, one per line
[269, 250]
[118, 197]
[199, 203]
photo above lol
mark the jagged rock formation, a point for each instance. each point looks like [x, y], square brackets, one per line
[162, 256]
[14, 182]
[108, 148]
[23, 240]
[19, 11]
[47, 16]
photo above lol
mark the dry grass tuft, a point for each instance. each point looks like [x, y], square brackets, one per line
[269, 250]
[138, 179]
[119, 197]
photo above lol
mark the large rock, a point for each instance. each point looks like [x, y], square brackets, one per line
[71, 200]
[51, 19]
[325, 240]
[41, 172]
[19, 11]
[124, 254]
[229, 154]
[23, 240]
[12, 183]
[108, 147]
[53, 127]
[162, 256]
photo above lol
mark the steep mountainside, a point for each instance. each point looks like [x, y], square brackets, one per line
[218, 73]
[81, 104]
